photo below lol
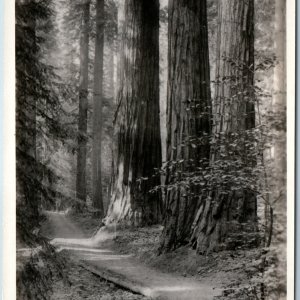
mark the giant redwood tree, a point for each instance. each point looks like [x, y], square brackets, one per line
[137, 117]
[83, 106]
[97, 112]
[188, 116]
[227, 217]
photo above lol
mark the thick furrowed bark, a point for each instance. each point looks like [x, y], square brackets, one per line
[188, 113]
[229, 220]
[138, 144]
[97, 112]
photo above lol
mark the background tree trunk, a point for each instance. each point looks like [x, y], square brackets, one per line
[220, 219]
[97, 112]
[278, 184]
[188, 114]
[83, 107]
[138, 137]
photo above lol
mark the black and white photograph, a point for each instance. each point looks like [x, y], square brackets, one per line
[152, 144]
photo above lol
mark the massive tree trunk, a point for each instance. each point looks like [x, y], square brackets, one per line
[116, 69]
[138, 137]
[111, 95]
[83, 107]
[97, 112]
[188, 115]
[227, 217]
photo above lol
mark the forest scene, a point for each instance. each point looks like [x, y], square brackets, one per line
[151, 149]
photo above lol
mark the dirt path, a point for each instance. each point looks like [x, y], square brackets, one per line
[61, 226]
[123, 269]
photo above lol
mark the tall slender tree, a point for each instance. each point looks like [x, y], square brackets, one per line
[97, 112]
[225, 215]
[278, 177]
[137, 116]
[83, 107]
[188, 114]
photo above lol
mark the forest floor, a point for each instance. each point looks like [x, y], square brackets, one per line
[236, 272]
[231, 271]
[76, 283]
[86, 285]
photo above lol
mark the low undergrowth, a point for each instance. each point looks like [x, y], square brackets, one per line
[37, 270]
[47, 275]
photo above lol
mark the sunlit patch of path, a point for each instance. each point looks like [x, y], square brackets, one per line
[124, 269]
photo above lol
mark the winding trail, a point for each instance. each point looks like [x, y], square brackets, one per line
[123, 270]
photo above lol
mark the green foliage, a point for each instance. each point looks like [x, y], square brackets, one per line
[36, 274]
[237, 162]
[38, 112]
